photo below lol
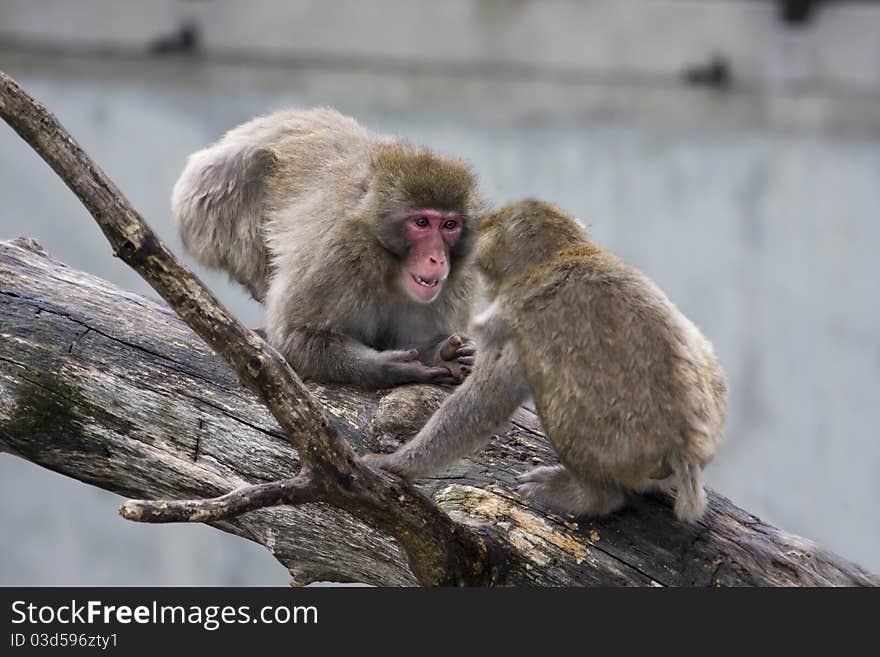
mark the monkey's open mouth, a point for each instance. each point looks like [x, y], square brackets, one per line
[423, 289]
[425, 282]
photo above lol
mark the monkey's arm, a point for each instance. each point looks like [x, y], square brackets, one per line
[467, 418]
[333, 357]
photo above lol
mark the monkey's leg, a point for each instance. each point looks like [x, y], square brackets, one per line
[464, 422]
[556, 487]
[332, 357]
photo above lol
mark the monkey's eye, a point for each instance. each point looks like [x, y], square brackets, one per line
[450, 225]
[422, 222]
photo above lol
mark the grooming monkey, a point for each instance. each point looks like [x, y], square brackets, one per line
[629, 392]
[358, 244]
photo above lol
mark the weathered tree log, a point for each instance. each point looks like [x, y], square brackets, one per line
[115, 390]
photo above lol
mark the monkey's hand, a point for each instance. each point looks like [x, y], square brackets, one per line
[405, 367]
[456, 354]
[385, 462]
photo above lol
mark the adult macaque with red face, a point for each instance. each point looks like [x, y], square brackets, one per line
[359, 245]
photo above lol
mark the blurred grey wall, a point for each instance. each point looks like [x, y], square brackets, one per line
[754, 206]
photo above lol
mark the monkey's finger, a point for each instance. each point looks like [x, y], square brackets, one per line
[454, 341]
[450, 346]
[466, 350]
[466, 360]
[435, 372]
[441, 375]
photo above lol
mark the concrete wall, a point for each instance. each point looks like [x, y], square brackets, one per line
[756, 212]
[605, 38]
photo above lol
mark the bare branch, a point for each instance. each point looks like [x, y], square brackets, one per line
[248, 498]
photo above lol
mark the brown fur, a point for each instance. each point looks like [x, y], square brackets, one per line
[626, 387]
[628, 390]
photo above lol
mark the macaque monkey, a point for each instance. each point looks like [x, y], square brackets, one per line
[629, 392]
[359, 245]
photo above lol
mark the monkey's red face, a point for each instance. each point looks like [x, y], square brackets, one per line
[430, 235]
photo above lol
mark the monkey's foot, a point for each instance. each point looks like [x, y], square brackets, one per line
[457, 355]
[557, 488]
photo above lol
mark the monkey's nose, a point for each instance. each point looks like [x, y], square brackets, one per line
[436, 267]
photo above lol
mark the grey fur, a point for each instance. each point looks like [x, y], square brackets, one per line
[466, 420]
[293, 206]
[629, 392]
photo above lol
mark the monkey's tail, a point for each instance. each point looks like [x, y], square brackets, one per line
[217, 205]
[690, 498]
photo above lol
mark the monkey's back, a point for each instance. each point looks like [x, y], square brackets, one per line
[282, 169]
[621, 378]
